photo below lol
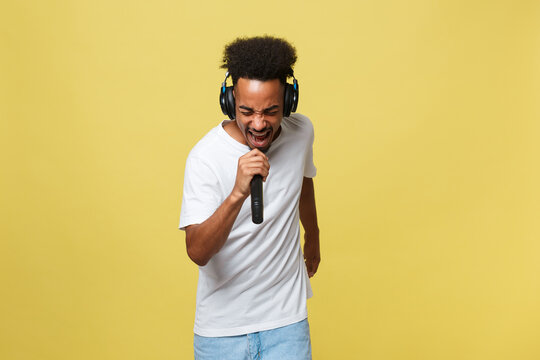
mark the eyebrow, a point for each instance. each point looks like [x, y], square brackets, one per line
[264, 110]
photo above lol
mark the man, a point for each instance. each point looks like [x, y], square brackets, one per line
[253, 281]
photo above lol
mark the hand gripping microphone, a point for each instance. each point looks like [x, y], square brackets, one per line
[257, 199]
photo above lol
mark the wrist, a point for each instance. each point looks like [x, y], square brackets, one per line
[311, 234]
[237, 198]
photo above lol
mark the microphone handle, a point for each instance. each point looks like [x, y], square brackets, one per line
[257, 199]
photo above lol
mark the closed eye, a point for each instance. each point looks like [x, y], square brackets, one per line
[270, 111]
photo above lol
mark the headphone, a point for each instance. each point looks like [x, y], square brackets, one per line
[228, 106]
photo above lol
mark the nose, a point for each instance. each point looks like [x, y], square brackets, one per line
[258, 122]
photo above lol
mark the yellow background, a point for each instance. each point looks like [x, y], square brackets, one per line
[427, 120]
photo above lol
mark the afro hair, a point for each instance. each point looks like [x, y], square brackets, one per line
[259, 58]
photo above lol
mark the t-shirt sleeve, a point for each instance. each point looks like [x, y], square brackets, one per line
[201, 193]
[309, 167]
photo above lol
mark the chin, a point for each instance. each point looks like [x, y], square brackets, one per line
[261, 148]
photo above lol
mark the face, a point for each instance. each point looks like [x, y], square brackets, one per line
[259, 111]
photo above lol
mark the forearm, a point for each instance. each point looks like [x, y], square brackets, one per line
[308, 210]
[308, 217]
[204, 240]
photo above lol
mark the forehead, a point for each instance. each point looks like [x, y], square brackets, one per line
[258, 93]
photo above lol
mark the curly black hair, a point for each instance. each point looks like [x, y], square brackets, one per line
[259, 58]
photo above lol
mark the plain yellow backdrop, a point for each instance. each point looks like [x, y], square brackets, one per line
[427, 125]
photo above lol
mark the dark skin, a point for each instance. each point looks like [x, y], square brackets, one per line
[308, 217]
[259, 110]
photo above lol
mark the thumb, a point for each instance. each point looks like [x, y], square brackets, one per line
[309, 267]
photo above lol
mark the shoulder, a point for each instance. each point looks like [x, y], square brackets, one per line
[299, 120]
[299, 124]
[206, 146]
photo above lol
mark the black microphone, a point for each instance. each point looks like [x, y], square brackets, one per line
[257, 199]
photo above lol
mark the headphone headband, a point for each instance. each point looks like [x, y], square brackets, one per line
[223, 84]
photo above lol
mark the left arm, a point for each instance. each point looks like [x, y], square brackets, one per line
[308, 217]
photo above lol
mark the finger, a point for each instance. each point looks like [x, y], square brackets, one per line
[314, 267]
[257, 152]
[254, 162]
[309, 268]
[257, 169]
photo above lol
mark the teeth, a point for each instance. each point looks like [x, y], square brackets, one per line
[259, 138]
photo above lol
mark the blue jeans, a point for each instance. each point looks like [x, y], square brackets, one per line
[291, 342]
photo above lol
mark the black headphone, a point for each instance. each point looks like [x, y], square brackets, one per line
[226, 98]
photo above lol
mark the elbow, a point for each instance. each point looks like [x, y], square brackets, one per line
[197, 259]
[196, 255]
[198, 250]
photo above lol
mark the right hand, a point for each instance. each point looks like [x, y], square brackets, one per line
[253, 163]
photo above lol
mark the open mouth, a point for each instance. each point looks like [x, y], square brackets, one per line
[260, 139]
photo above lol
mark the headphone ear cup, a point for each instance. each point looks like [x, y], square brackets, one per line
[296, 94]
[230, 107]
[222, 100]
[288, 100]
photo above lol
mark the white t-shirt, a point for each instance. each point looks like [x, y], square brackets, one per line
[258, 280]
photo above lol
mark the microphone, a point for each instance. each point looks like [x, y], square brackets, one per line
[257, 199]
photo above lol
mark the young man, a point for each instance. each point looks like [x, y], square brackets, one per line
[253, 279]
